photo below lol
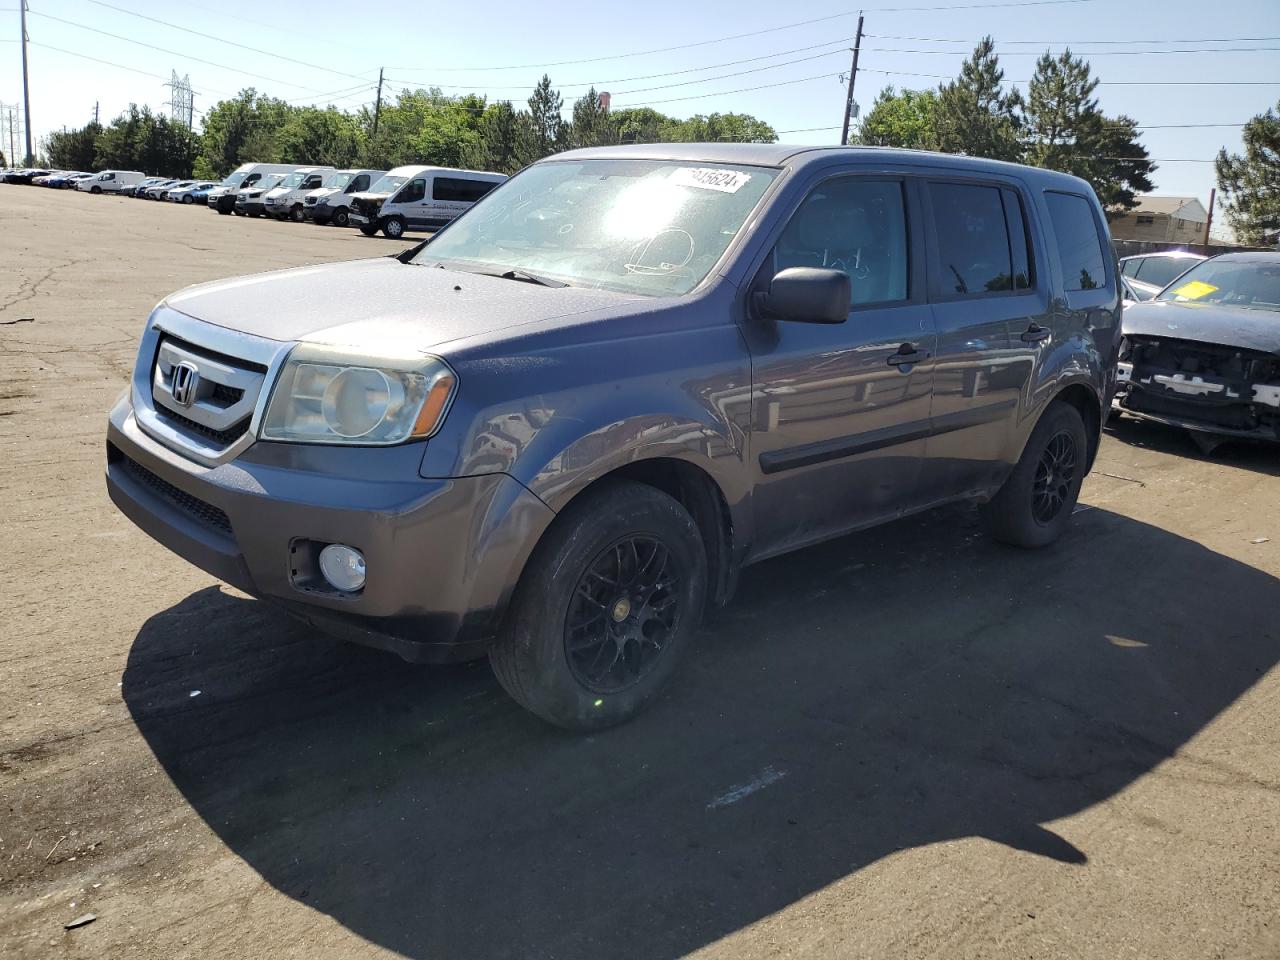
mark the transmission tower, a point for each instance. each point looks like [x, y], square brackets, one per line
[182, 100]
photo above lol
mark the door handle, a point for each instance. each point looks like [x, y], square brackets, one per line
[907, 355]
[1036, 334]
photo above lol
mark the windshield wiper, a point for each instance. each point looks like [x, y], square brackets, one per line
[524, 276]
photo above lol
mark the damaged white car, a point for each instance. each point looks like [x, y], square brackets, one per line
[1205, 353]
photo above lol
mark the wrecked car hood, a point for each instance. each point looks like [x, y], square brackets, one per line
[1247, 328]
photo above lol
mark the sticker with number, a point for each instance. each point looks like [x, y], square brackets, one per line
[710, 178]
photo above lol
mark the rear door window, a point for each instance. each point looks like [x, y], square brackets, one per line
[1164, 270]
[1080, 244]
[1131, 266]
[856, 225]
[976, 239]
[459, 189]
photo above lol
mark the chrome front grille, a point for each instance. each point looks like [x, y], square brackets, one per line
[204, 393]
[199, 388]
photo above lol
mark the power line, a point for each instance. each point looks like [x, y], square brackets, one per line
[214, 36]
[885, 36]
[1081, 53]
[650, 76]
[752, 33]
[175, 53]
[1104, 83]
[722, 93]
[120, 66]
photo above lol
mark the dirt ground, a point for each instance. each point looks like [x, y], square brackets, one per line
[906, 743]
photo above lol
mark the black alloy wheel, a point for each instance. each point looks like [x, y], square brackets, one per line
[625, 608]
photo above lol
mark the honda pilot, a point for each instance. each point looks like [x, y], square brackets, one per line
[555, 432]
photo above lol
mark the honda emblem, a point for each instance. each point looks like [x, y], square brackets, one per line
[186, 380]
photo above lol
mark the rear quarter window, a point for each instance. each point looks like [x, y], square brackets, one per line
[1080, 242]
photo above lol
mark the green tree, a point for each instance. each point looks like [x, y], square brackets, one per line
[975, 115]
[505, 134]
[903, 119]
[140, 140]
[425, 126]
[718, 128]
[638, 125]
[74, 149]
[1250, 182]
[547, 125]
[321, 137]
[591, 126]
[240, 130]
[1065, 130]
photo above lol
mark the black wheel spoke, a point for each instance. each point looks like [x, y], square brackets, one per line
[622, 613]
[1055, 474]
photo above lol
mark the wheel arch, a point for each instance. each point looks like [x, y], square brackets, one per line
[1085, 400]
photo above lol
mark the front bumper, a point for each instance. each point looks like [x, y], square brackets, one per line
[1197, 404]
[443, 555]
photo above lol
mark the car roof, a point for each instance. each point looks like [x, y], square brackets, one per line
[1251, 256]
[1172, 254]
[801, 157]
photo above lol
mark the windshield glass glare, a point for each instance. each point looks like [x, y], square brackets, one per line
[653, 227]
[388, 184]
[233, 180]
[1241, 283]
[293, 180]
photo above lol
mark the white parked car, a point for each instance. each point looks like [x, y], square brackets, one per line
[285, 200]
[111, 181]
[182, 194]
[223, 197]
[1160, 268]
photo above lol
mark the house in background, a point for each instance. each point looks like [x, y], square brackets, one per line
[1162, 219]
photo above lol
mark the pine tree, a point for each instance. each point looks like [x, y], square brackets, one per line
[545, 107]
[974, 114]
[591, 126]
[1065, 130]
[1250, 183]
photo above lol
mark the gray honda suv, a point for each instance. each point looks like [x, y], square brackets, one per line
[555, 431]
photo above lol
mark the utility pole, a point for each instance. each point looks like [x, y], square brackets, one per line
[1213, 195]
[26, 90]
[377, 106]
[853, 75]
[95, 113]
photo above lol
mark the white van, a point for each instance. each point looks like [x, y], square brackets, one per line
[223, 197]
[111, 181]
[331, 203]
[419, 198]
[285, 199]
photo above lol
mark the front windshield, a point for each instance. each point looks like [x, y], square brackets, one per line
[234, 179]
[269, 182]
[293, 180]
[337, 180]
[654, 227]
[1241, 283]
[388, 184]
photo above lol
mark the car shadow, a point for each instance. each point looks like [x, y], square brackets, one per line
[1258, 456]
[899, 687]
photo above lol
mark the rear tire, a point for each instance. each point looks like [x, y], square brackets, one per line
[1034, 506]
[610, 598]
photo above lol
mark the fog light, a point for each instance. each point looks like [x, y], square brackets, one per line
[343, 567]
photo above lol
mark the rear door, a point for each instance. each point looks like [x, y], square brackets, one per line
[840, 411]
[993, 317]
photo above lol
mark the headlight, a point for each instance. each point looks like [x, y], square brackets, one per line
[331, 395]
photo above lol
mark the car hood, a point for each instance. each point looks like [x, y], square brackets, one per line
[278, 191]
[320, 193]
[367, 195]
[1249, 328]
[369, 302]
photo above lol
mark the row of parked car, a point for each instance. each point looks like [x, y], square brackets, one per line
[414, 197]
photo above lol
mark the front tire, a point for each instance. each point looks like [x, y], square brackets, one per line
[368, 229]
[188, 199]
[295, 213]
[95, 189]
[393, 228]
[609, 600]
[1035, 504]
[339, 218]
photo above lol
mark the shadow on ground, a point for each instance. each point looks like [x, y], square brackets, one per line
[907, 685]
[1254, 455]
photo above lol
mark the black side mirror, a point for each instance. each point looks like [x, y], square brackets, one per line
[808, 295]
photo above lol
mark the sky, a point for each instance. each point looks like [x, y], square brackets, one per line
[1167, 63]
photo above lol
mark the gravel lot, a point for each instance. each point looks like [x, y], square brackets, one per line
[906, 743]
